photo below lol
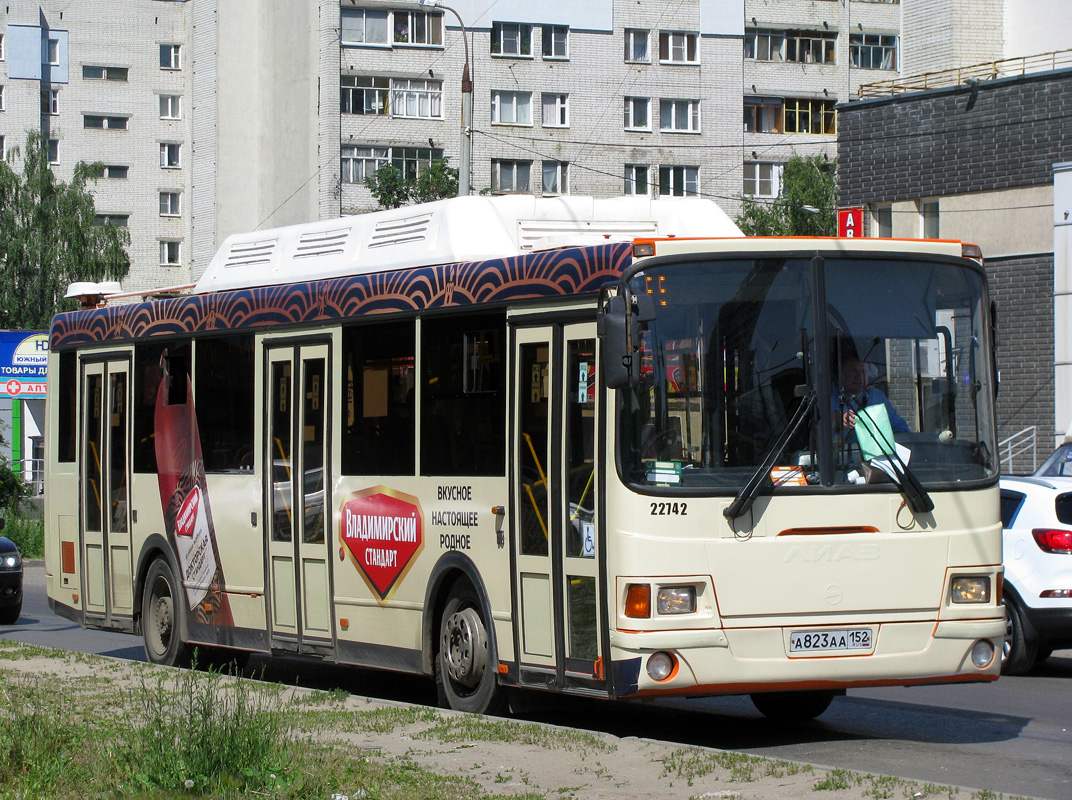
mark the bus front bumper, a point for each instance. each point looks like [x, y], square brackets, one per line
[739, 661]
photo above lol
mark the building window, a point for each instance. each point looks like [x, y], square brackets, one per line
[417, 99]
[510, 176]
[52, 52]
[418, 27]
[169, 155]
[638, 113]
[360, 162]
[680, 116]
[50, 102]
[53, 147]
[170, 56]
[810, 116]
[761, 179]
[764, 45]
[555, 110]
[170, 204]
[412, 160]
[556, 41]
[170, 106]
[555, 177]
[170, 253]
[636, 45]
[100, 121]
[3, 47]
[872, 51]
[810, 47]
[679, 181]
[104, 73]
[3, 147]
[762, 115]
[882, 221]
[511, 39]
[928, 219]
[511, 108]
[677, 47]
[119, 220]
[2, 100]
[363, 26]
[362, 95]
[636, 179]
[116, 171]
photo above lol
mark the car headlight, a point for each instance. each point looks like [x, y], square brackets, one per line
[10, 561]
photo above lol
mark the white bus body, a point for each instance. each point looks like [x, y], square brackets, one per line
[400, 441]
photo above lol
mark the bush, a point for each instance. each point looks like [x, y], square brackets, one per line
[26, 528]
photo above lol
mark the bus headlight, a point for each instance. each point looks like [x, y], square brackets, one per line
[676, 600]
[970, 589]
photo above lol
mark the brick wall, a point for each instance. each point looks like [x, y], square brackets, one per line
[1022, 289]
[940, 143]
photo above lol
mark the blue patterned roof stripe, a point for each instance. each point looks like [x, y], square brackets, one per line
[555, 273]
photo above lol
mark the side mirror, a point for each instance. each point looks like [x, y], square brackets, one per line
[621, 367]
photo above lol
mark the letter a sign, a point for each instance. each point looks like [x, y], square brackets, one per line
[850, 222]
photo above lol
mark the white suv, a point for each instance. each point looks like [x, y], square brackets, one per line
[1036, 514]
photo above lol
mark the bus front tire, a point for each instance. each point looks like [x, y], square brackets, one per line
[163, 615]
[466, 678]
[792, 706]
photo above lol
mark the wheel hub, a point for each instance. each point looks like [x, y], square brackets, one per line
[465, 646]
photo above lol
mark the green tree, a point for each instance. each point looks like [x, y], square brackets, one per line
[392, 189]
[50, 237]
[807, 205]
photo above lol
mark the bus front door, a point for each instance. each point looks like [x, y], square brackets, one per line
[107, 599]
[555, 477]
[296, 467]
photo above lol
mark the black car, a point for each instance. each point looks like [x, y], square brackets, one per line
[10, 581]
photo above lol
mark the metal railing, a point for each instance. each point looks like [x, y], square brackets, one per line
[32, 472]
[1018, 444]
[989, 70]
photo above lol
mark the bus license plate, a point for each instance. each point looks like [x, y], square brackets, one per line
[832, 640]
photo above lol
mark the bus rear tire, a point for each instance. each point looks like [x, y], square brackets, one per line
[792, 706]
[163, 617]
[466, 678]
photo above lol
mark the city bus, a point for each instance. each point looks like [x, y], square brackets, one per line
[598, 447]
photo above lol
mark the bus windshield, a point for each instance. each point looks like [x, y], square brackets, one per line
[730, 348]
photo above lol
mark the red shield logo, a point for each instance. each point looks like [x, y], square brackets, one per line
[383, 531]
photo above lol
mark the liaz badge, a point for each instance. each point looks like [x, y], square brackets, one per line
[383, 532]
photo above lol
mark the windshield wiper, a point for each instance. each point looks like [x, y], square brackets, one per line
[761, 479]
[919, 502]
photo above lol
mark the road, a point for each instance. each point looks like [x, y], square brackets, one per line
[1013, 736]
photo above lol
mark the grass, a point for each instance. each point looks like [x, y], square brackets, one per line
[26, 528]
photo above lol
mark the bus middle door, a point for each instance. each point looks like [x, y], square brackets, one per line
[296, 470]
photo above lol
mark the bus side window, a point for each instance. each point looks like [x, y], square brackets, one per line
[224, 402]
[68, 407]
[463, 395]
[378, 389]
[147, 374]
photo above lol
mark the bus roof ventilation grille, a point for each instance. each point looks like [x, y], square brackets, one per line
[322, 243]
[248, 254]
[400, 231]
[542, 234]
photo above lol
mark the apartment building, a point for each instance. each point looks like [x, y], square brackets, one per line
[214, 117]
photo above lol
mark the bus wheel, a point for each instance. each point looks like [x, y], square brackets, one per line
[162, 616]
[465, 673]
[792, 706]
[1018, 653]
